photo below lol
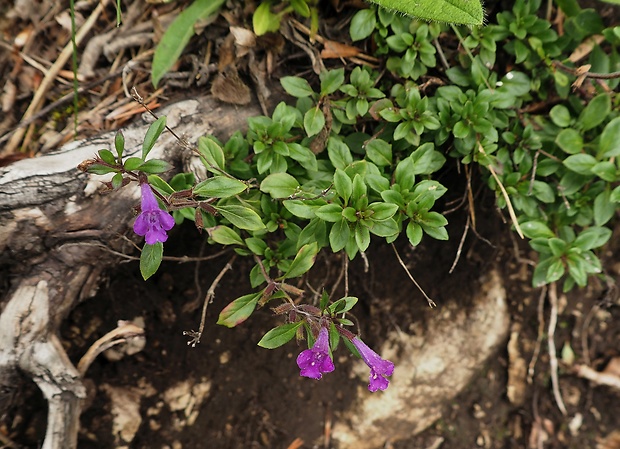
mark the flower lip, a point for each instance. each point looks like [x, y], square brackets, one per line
[379, 368]
[152, 221]
[315, 361]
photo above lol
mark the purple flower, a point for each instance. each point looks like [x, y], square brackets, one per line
[152, 221]
[379, 368]
[316, 361]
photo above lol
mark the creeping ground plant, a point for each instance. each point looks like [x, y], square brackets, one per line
[359, 153]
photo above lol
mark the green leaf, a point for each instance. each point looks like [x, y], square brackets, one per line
[580, 163]
[117, 181]
[212, 153]
[539, 278]
[304, 259]
[150, 259]
[543, 192]
[279, 185]
[591, 238]
[467, 12]
[595, 112]
[558, 246]
[570, 141]
[160, 184]
[296, 86]
[330, 212]
[362, 24]
[555, 271]
[359, 188]
[241, 217]
[178, 35]
[385, 228]
[606, 170]
[239, 310]
[132, 163]
[604, 208]
[119, 144]
[414, 233]
[219, 187]
[382, 211]
[153, 166]
[609, 145]
[303, 155]
[264, 21]
[560, 115]
[379, 151]
[280, 335]
[331, 80]
[314, 120]
[107, 156]
[536, 229]
[152, 134]
[339, 153]
[339, 235]
[303, 208]
[224, 235]
[342, 305]
[99, 169]
[362, 237]
[343, 185]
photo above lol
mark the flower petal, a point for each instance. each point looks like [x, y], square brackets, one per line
[315, 361]
[379, 368]
[149, 202]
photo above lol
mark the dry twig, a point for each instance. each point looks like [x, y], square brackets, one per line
[196, 336]
[431, 303]
[599, 378]
[553, 359]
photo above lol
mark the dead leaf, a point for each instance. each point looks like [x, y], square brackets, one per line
[229, 88]
[336, 50]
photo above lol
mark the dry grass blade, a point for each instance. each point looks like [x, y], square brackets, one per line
[50, 76]
[511, 210]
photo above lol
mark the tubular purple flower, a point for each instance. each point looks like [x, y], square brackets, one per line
[316, 361]
[379, 368]
[152, 221]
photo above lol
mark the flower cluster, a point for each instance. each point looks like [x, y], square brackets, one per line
[317, 360]
[152, 221]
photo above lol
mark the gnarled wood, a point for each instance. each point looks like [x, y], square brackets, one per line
[52, 225]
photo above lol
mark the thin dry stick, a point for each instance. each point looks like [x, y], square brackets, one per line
[553, 359]
[511, 211]
[460, 248]
[346, 275]
[600, 76]
[609, 380]
[196, 336]
[181, 259]
[339, 279]
[541, 332]
[431, 303]
[585, 347]
[63, 57]
[114, 337]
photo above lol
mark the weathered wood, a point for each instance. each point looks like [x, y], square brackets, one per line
[52, 227]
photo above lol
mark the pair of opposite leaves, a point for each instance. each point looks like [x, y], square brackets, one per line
[466, 12]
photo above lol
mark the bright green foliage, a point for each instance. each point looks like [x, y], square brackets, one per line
[357, 158]
[178, 35]
[468, 12]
